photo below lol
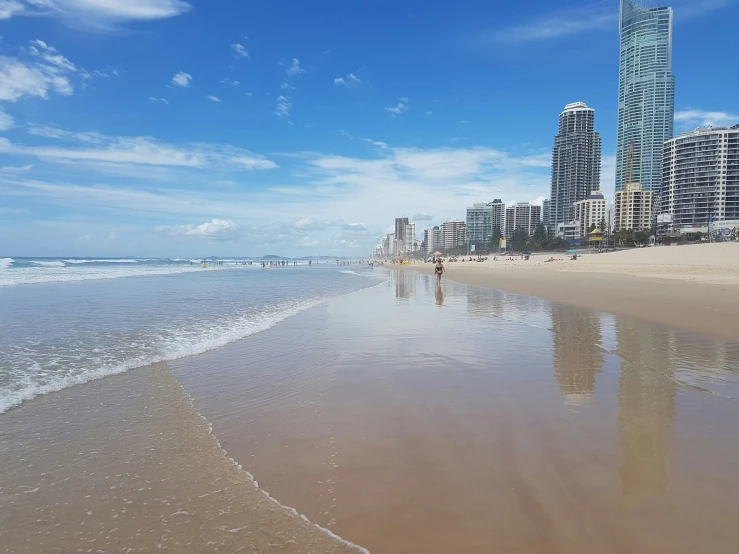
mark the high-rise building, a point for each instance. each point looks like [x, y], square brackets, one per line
[591, 211]
[400, 223]
[546, 209]
[482, 221]
[646, 93]
[432, 240]
[522, 216]
[453, 233]
[632, 208]
[701, 177]
[392, 246]
[410, 237]
[575, 162]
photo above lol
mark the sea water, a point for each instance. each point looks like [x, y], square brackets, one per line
[65, 321]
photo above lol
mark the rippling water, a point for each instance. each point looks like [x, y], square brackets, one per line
[74, 320]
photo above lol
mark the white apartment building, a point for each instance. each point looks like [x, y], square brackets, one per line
[410, 237]
[453, 233]
[700, 178]
[632, 208]
[432, 240]
[590, 211]
[522, 216]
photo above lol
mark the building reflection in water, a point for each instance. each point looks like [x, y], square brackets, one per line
[578, 356]
[647, 402]
[405, 284]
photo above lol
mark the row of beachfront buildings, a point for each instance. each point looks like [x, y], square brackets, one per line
[666, 185]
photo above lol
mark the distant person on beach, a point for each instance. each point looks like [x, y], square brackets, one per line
[438, 270]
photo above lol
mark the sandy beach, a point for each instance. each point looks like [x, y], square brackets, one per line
[693, 287]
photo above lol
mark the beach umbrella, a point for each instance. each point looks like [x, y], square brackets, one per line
[437, 253]
[572, 251]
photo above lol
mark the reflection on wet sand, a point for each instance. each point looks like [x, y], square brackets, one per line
[647, 406]
[578, 356]
[439, 295]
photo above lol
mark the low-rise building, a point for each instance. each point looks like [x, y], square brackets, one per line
[633, 208]
[590, 212]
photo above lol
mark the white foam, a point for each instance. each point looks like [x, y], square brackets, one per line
[55, 274]
[176, 347]
[46, 263]
[5, 263]
[104, 261]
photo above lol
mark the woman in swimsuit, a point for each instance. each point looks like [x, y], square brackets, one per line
[439, 269]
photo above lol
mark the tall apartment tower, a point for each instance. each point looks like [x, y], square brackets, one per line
[453, 233]
[400, 224]
[701, 177]
[575, 162]
[646, 93]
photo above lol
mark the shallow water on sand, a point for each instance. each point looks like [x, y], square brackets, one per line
[408, 419]
[405, 419]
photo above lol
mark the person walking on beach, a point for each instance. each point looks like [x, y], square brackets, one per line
[438, 270]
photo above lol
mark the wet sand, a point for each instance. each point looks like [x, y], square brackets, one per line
[405, 419]
[479, 421]
[125, 465]
[678, 298]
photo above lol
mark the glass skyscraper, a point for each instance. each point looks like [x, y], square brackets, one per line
[646, 92]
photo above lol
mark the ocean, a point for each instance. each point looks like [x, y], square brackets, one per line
[66, 321]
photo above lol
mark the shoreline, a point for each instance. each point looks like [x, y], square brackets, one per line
[607, 283]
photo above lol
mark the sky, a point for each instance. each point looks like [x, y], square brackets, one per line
[231, 128]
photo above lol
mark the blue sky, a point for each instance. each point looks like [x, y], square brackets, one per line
[169, 128]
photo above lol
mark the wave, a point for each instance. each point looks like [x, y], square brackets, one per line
[47, 264]
[103, 261]
[6, 262]
[32, 275]
[218, 335]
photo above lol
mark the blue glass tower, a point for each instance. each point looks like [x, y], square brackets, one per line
[646, 93]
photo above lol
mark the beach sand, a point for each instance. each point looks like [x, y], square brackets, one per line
[405, 418]
[125, 464]
[478, 421]
[692, 287]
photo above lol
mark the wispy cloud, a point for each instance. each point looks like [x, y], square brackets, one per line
[182, 79]
[702, 118]
[283, 106]
[295, 68]
[95, 13]
[398, 109]
[287, 86]
[159, 100]
[95, 148]
[239, 51]
[560, 23]
[377, 143]
[213, 98]
[350, 81]
[227, 81]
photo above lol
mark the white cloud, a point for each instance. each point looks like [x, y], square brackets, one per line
[283, 106]
[227, 81]
[422, 217]
[308, 224]
[213, 98]
[249, 94]
[307, 242]
[343, 133]
[702, 118]
[50, 55]
[95, 13]
[159, 100]
[287, 86]
[239, 51]
[182, 79]
[51, 72]
[377, 143]
[350, 81]
[94, 148]
[295, 68]
[215, 230]
[6, 121]
[400, 108]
